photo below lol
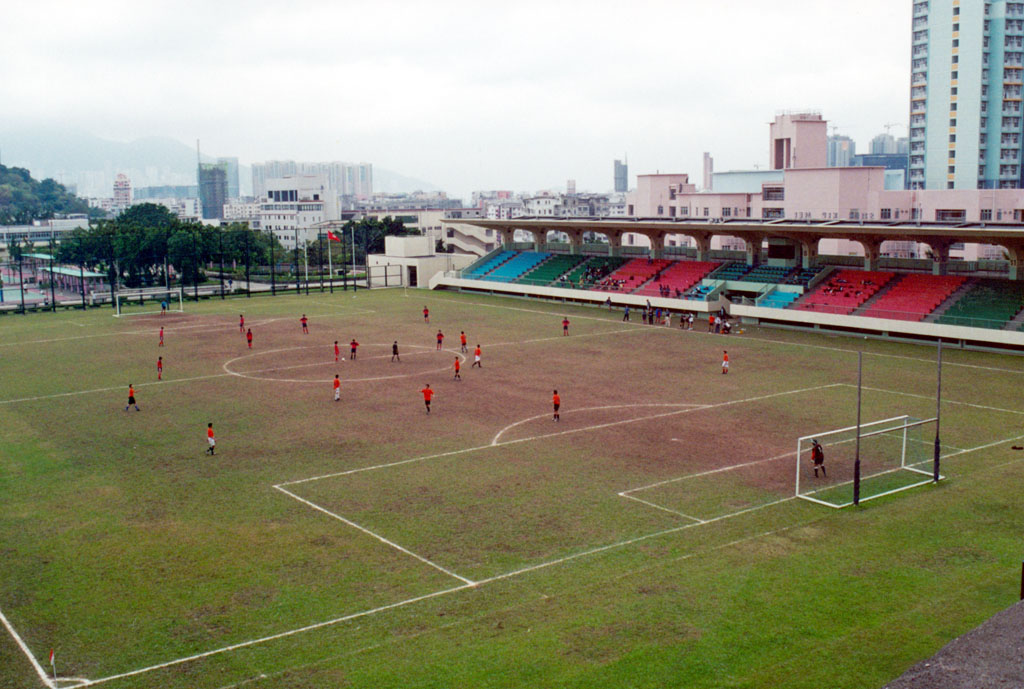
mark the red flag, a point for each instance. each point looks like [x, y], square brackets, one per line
[51, 656]
[333, 237]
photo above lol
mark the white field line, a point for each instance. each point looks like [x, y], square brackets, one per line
[282, 635]
[380, 538]
[740, 337]
[626, 495]
[494, 441]
[563, 337]
[709, 472]
[944, 400]
[165, 381]
[24, 649]
[507, 575]
[248, 374]
[172, 329]
[630, 541]
[516, 441]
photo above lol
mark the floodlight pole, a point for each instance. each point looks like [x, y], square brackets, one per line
[856, 452]
[938, 413]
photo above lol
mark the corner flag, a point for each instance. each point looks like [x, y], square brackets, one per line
[333, 237]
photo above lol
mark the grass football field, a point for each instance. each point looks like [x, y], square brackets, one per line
[650, 538]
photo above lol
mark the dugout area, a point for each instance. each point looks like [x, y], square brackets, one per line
[131, 550]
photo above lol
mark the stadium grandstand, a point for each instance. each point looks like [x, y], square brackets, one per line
[779, 279]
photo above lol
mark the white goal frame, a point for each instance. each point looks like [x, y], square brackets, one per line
[174, 296]
[897, 424]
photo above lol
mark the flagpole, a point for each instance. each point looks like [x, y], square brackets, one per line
[53, 664]
[330, 265]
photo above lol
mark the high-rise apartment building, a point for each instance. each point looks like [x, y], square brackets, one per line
[621, 175]
[232, 172]
[841, 150]
[967, 74]
[344, 179]
[213, 188]
[122, 193]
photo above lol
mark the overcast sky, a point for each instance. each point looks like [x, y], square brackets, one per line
[467, 95]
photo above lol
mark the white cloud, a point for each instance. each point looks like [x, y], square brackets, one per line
[466, 94]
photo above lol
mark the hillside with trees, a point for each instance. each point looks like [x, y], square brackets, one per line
[23, 199]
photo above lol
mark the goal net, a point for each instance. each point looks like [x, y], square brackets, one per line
[895, 454]
[138, 302]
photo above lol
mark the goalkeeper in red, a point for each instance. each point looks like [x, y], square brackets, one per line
[818, 458]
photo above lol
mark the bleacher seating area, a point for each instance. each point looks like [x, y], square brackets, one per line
[594, 269]
[552, 269]
[844, 291]
[679, 277]
[989, 304]
[779, 300]
[731, 271]
[482, 268]
[765, 273]
[515, 266]
[631, 275]
[977, 302]
[913, 297]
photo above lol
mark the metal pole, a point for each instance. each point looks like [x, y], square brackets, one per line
[21, 282]
[53, 292]
[305, 263]
[81, 277]
[353, 233]
[330, 265]
[320, 237]
[248, 286]
[856, 452]
[938, 413]
[295, 261]
[220, 248]
[273, 282]
[195, 259]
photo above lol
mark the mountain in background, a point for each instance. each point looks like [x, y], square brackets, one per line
[88, 164]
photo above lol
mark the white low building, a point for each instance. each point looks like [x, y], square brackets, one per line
[411, 262]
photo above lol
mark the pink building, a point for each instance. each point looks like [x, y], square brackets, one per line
[809, 191]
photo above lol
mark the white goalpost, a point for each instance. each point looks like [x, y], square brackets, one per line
[895, 455]
[139, 302]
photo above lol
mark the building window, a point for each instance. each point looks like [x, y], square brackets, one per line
[952, 138]
[986, 213]
[949, 185]
[707, 211]
[661, 210]
[948, 215]
[952, 122]
[885, 214]
[854, 214]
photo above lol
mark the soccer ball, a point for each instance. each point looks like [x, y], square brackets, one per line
[342, 358]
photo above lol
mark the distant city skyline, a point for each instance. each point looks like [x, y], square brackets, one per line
[523, 108]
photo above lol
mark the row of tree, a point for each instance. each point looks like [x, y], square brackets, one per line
[143, 243]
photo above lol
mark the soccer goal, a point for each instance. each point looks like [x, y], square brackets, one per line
[895, 454]
[139, 302]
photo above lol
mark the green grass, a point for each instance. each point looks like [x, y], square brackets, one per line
[124, 546]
